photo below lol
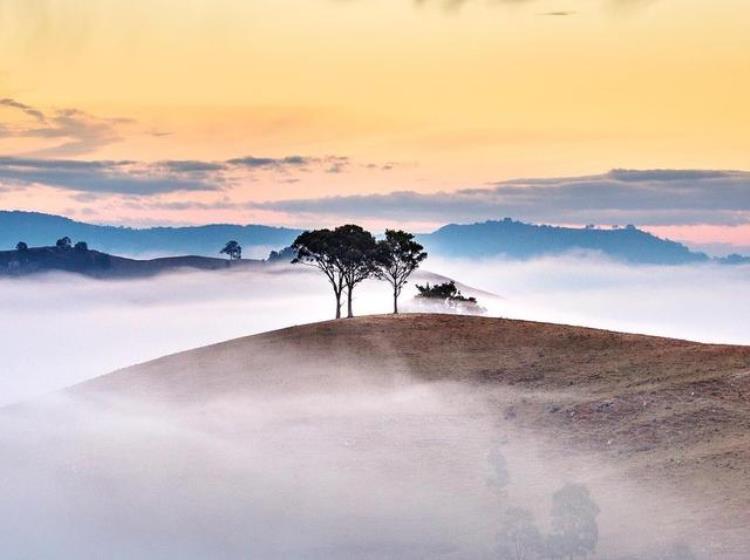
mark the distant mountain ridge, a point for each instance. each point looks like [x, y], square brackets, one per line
[504, 238]
[37, 229]
[518, 240]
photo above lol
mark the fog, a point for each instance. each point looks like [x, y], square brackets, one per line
[62, 329]
[409, 472]
[402, 470]
[58, 330]
[706, 303]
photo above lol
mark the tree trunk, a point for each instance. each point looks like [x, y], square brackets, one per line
[395, 302]
[338, 305]
[350, 313]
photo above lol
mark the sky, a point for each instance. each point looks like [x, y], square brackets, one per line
[305, 112]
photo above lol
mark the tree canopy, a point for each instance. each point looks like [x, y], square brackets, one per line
[321, 249]
[397, 257]
[349, 254]
[357, 254]
[233, 250]
[64, 243]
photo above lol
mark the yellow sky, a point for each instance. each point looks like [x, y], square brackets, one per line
[490, 91]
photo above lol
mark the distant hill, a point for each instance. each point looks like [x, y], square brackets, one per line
[507, 238]
[522, 241]
[96, 264]
[38, 229]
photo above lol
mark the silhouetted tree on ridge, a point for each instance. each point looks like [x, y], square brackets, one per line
[233, 250]
[358, 258]
[22, 247]
[321, 249]
[398, 255]
[346, 255]
[64, 243]
[349, 254]
[286, 255]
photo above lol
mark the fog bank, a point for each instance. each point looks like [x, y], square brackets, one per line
[58, 330]
[413, 472]
[706, 303]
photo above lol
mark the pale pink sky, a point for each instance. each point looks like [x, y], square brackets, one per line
[137, 113]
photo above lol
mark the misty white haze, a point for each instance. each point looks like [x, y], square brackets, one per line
[317, 463]
[58, 330]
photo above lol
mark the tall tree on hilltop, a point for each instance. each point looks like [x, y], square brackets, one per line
[398, 255]
[346, 255]
[358, 258]
[321, 249]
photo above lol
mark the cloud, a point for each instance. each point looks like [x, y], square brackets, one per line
[271, 163]
[330, 163]
[651, 197]
[105, 176]
[454, 5]
[193, 165]
[151, 178]
[30, 111]
[75, 132]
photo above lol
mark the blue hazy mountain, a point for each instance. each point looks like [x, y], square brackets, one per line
[38, 229]
[508, 238]
[518, 240]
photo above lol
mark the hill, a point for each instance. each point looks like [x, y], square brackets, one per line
[518, 240]
[38, 229]
[37, 260]
[670, 415]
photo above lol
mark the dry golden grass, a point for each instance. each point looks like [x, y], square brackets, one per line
[669, 413]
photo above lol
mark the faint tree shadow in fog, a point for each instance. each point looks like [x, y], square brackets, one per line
[574, 528]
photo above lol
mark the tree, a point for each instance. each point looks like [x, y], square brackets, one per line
[22, 247]
[398, 255]
[358, 251]
[81, 246]
[449, 294]
[575, 530]
[63, 243]
[321, 249]
[346, 255]
[233, 250]
[518, 537]
[286, 255]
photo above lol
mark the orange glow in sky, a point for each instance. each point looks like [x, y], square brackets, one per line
[416, 96]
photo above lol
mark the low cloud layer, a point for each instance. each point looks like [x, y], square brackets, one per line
[366, 473]
[352, 469]
[88, 327]
[649, 197]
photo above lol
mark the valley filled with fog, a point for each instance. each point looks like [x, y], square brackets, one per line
[310, 445]
[58, 330]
